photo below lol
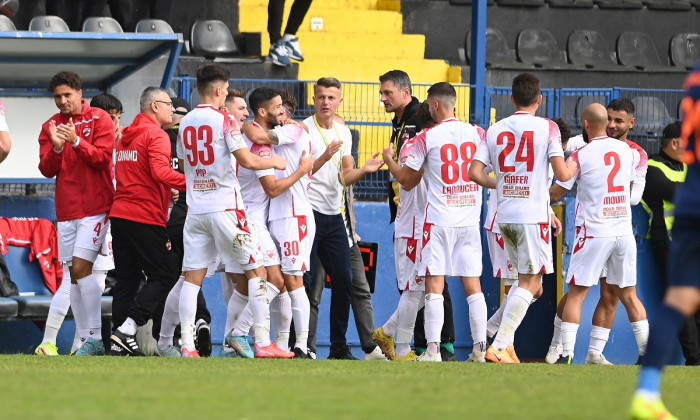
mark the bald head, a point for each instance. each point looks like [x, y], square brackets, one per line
[594, 119]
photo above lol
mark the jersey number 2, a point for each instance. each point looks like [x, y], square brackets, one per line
[612, 158]
[191, 137]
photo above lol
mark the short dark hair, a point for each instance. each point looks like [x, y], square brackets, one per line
[328, 82]
[445, 92]
[235, 93]
[260, 96]
[68, 78]
[563, 129]
[622, 104]
[526, 89]
[289, 100]
[107, 102]
[423, 114]
[672, 131]
[399, 77]
[206, 75]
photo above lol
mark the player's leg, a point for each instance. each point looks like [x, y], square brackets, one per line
[571, 319]
[296, 16]
[555, 347]
[603, 318]
[170, 320]
[281, 318]
[435, 253]
[361, 302]
[60, 303]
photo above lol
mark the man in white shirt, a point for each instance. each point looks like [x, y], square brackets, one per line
[333, 170]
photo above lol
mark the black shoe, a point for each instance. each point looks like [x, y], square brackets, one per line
[115, 350]
[202, 339]
[447, 356]
[341, 352]
[300, 354]
[639, 361]
[565, 360]
[126, 342]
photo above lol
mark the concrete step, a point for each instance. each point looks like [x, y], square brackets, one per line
[327, 4]
[399, 46]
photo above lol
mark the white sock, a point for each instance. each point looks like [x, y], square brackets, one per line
[234, 309]
[92, 302]
[60, 303]
[300, 314]
[227, 287]
[556, 335]
[76, 342]
[101, 277]
[392, 324]
[188, 308]
[171, 315]
[477, 317]
[260, 306]
[513, 315]
[568, 337]
[641, 334]
[599, 337]
[288, 37]
[281, 319]
[409, 304]
[495, 321]
[128, 327]
[76, 304]
[434, 317]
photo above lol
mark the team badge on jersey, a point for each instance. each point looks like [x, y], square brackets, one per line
[499, 241]
[426, 233]
[242, 220]
[544, 232]
[303, 227]
[411, 245]
[168, 245]
[87, 131]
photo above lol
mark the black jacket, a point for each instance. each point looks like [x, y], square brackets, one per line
[179, 211]
[403, 128]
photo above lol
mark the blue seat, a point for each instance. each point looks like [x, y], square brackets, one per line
[48, 24]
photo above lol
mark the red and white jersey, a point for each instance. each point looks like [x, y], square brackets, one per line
[410, 213]
[293, 142]
[205, 142]
[446, 152]
[641, 163]
[606, 170]
[254, 197]
[519, 148]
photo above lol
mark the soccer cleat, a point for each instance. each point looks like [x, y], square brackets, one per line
[272, 352]
[189, 353]
[554, 353]
[227, 351]
[596, 359]
[202, 338]
[301, 354]
[115, 350]
[511, 351]
[446, 355]
[639, 360]
[340, 352]
[565, 360]
[385, 343]
[126, 342]
[376, 354]
[278, 54]
[240, 344]
[312, 355]
[477, 357]
[170, 351]
[495, 356]
[428, 357]
[408, 357]
[644, 408]
[46, 349]
[91, 347]
[293, 50]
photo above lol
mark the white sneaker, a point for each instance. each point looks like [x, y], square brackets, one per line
[313, 355]
[376, 354]
[554, 353]
[596, 359]
[477, 357]
[427, 357]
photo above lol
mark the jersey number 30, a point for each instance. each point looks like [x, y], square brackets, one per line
[191, 139]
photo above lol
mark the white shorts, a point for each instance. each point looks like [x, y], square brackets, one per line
[451, 251]
[206, 235]
[268, 248]
[406, 252]
[529, 247]
[503, 268]
[105, 259]
[591, 255]
[295, 237]
[82, 238]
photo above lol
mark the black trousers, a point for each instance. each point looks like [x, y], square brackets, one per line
[140, 247]
[447, 335]
[275, 14]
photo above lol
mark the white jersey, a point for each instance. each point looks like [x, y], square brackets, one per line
[641, 164]
[446, 151]
[3, 121]
[325, 189]
[605, 172]
[254, 197]
[293, 142]
[205, 142]
[519, 148]
[410, 213]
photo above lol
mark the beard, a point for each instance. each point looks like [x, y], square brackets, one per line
[585, 136]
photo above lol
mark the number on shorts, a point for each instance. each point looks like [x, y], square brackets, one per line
[612, 158]
[291, 248]
[525, 153]
[191, 138]
[98, 228]
[450, 170]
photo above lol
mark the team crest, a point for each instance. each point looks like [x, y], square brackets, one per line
[579, 244]
[302, 227]
[499, 241]
[168, 245]
[544, 232]
[87, 131]
[419, 280]
[293, 259]
[510, 265]
[411, 246]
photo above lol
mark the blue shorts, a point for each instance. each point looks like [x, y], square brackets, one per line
[684, 257]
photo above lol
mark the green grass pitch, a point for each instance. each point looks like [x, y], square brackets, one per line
[156, 388]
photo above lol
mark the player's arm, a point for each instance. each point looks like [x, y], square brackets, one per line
[274, 187]
[98, 152]
[556, 192]
[161, 164]
[563, 170]
[478, 174]
[252, 161]
[50, 150]
[258, 135]
[352, 174]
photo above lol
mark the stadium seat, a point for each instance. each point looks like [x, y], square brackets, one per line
[9, 8]
[497, 51]
[685, 50]
[6, 24]
[102, 24]
[521, 3]
[580, 4]
[212, 38]
[588, 48]
[651, 117]
[538, 47]
[637, 49]
[695, 3]
[667, 4]
[48, 24]
[154, 26]
[619, 4]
